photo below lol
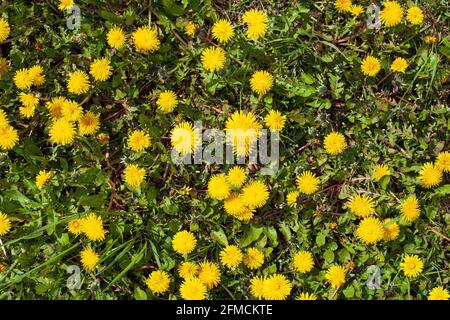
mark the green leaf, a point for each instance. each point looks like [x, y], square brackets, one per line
[271, 233]
[349, 292]
[155, 254]
[443, 190]
[94, 201]
[140, 294]
[320, 239]
[307, 78]
[252, 234]
[15, 195]
[285, 230]
[384, 182]
[172, 8]
[344, 255]
[220, 237]
[135, 259]
[328, 256]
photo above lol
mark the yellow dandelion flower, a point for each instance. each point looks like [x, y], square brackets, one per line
[381, 170]
[190, 29]
[274, 120]
[65, 4]
[187, 270]
[62, 132]
[335, 276]
[134, 175]
[370, 230]
[138, 140]
[103, 138]
[89, 259]
[236, 176]
[430, 175]
[246, 214]
[78, 82]
[231, 256]
[370, 66]
[8, 137]
[36, 75]
[186, 190]
[254, 32]
[116, 38]
[410, 209]
[92, 227]
[257, 287]
[4, 66]
[3, 268]
[334, 143]
[184, 138]
[22, 79]
[356, 10]
[256, 21]
[343, 5]
[291, 198]
[255, 194]
[307, 296]
[3, 119]
[254, 16]
[391, 14]
[209, 274]
[27, 112]
[4, 29]
[276, 287]
[415, 15]
[218, 187]
[213, 59]
[75, 226]
[89, 123]
[42, 177]
[439, 293]
[253, 258]
[443, 161]
[28, 99]
[361, 206]
[431, 40]
[193, 289]
[71, 110]
[307, 182]
[412, 265]
[399, 65]
[303, 261]
[391, 230]
[242, 131]
[234, 205]
[184, 242]
[167, 101]
[158, 281]
[101, 69]
[223, 31]
[55, 107]
[145, 39]
[261, 82]
[5, 224]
